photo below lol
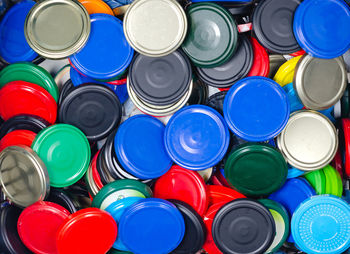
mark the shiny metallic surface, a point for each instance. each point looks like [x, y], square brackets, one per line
[275, 62]
[121, 10]
[23, 176]
[155, 27]
[206, 174]
[90, 181]
[56, 29]
[309, 141]
[320, 83]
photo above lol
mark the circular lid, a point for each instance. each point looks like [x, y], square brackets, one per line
[110, 60]
[23, 175]
[23, 122]
[195, 229]
[300, 141]
[70, 17]
[96, 175]
[273, 25]
[73, 236]
[168, 24]
[334, 184]
[250, 163]
[232, 70]
[139, 146]
[261, 62]
[117, 209]
[102, 170]
[346, 132]
[96, 6]
[62, 76]
[93, 108]
[206, 174]
[66, 89]
[120, 189]
[212, 36]
[216, 101]
[38, 225]
[267, 103]
[17, 137]
[160, 80]
[317, 179]
[65, 151]
[217, 194]
[9, 239]
[243, 226]
[163, 221]
[13, 44]
[281, 218]
[294, 101]
[60, 197]
[321, 225]
[285, 73]
[275, 63]
[320, 83]
[20, 97]
[185, 185]
[310, 19]
[199, 93]
[196, 137]
[30, 73]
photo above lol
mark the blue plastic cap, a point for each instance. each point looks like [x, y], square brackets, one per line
[294, 101]
[321, 27]
[321, 224]
[13, 44]
[152, 226]
[196, 137]
[294, 172]
[106, 54]
[139, 145]
[256, 109]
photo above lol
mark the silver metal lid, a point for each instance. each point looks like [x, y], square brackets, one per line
[320, 83]
[309, 141]
[275, 63]
[23, 175]
[155, 27]
[57, 29]
[206, 174]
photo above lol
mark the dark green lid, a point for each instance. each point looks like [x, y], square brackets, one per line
[212, 35]
[317, 179]
[65, 151]
[120, 189]
[29, 72]
[256, 169]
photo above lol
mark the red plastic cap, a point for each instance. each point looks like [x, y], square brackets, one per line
[218, 194]
[261, 62]
[17, 137]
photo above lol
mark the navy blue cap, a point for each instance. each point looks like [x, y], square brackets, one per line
[106, 54]
[256, 109]
[197, 137]
[13, 44]
[321, 27]
[151, 226]
[139, 146]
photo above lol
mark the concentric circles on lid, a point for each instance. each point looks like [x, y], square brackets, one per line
[185, 185]
[232, 70]
[300, 141]
[212, 36]
[73, 236]
[285, 73]
[17, 137]
[96, 6]
[256, 169]
[106, 54]
[261, 62]
[196, 137]
[139, 146]
[23, 175]
[312, 16]
[38, 225]
[163, 221]
[93, 108]
[161, 80]
[13, 44]
[321, 225]
[243, 226]
[72, 19]
[320, 83]
[256, 109]
[273, 25]
[65, 151]
[155, 27]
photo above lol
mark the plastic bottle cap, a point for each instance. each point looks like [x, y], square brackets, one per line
[65, 151]
[334, 184]
[256, 109]
[261, 62]
[317, 179]
[96, 6]
[218, 194]
[285, 73]
[17, 137]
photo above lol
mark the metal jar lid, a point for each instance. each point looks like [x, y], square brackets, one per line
[155, 27]
[23, 175]
[309, 141]
[57, 28]
[320, 83]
